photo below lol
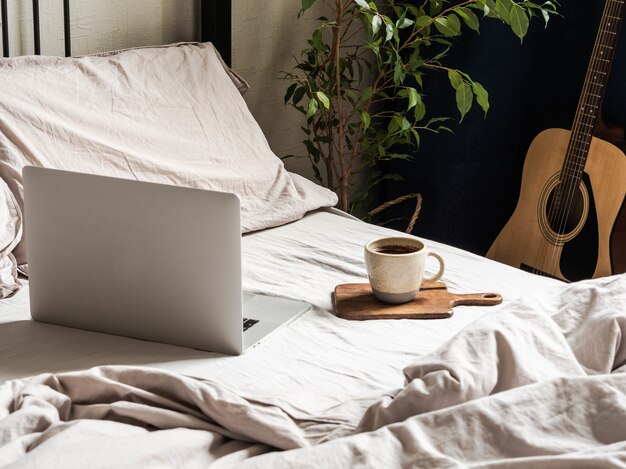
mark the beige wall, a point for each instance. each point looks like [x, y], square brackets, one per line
[266, 36]
[101, 25]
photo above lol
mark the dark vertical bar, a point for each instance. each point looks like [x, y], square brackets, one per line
[5, 28]
[36, 31]
[216, 25]
[67, 31]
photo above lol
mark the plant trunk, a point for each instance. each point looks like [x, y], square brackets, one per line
[344, 176]
[343, 194]
[329, 173]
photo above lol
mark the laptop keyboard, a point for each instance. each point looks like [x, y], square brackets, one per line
[248, 323]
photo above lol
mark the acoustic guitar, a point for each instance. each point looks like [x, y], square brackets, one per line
[566, 224]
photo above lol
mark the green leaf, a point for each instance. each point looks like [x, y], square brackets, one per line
[321, 96]
[318, 176]
[352, 96]
[503, 12]
[519, 21]
[490, 10]
[482, 6]
[418, 79]
[434, 120]
[312, 109]
[482, 96]
[317, 41]
[393, 125]
[413, 10]
[546, 17]
[470, 18]
[366, 119]
[367, 94]
[398, 73]
[448, 27]
[435, 7]
[298, 95]
[306, 4]
[403, 21]
[414, 97]
[376, 24]
[397, 120]
[415, 61]
[416, 136]
[314, 152]
[362, 3]
[486, 10]
[289, 92]
[420, 111]
[443, 127]
[423, 21]
[455, 23]
[455, 79]
[550, 5]
[388, 32]
[508, 4]
[464, 99]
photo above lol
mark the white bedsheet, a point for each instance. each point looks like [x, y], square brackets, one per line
[309, 366]
[539, 383]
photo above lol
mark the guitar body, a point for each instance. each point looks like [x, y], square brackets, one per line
[585, 245]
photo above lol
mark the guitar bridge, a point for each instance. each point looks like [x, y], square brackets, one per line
[532, 270]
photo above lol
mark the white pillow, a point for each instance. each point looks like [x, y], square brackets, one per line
[169, 115]
[10, 235]
[239, 82]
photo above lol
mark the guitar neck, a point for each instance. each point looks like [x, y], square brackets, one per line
[593, 92]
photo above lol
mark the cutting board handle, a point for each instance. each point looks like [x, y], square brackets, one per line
[477, 299]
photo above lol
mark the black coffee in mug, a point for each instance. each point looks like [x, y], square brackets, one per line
[397, 249]
[395, 267]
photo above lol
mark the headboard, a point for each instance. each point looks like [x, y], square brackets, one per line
[215, 26]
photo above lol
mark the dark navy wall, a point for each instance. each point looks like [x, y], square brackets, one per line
[470, 180]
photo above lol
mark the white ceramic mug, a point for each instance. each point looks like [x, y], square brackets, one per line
[395, 266]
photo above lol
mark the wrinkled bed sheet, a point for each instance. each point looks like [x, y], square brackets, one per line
[319, 375]
[331, 357]
[541, 382]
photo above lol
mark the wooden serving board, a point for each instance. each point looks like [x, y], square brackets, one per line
[433, 301]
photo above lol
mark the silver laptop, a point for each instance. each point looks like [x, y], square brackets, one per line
[143, 260]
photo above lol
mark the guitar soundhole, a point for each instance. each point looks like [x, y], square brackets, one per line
[564, 213]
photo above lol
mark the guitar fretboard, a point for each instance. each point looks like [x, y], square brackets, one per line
[591, 96]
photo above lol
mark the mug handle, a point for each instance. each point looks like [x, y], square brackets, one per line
[442, 267]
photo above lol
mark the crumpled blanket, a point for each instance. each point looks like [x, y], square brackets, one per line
[541, 382]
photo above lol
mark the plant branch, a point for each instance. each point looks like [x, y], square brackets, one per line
[413, 36]
[343, 192]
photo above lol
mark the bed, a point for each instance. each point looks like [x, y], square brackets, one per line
[539, 381]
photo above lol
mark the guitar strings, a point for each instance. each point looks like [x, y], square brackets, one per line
[548, 249]
[560, 191]
[607, 41]
[573, 169]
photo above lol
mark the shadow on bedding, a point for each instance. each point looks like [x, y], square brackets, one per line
[29, 347]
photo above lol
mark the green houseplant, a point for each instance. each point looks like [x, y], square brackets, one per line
[360, 81]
